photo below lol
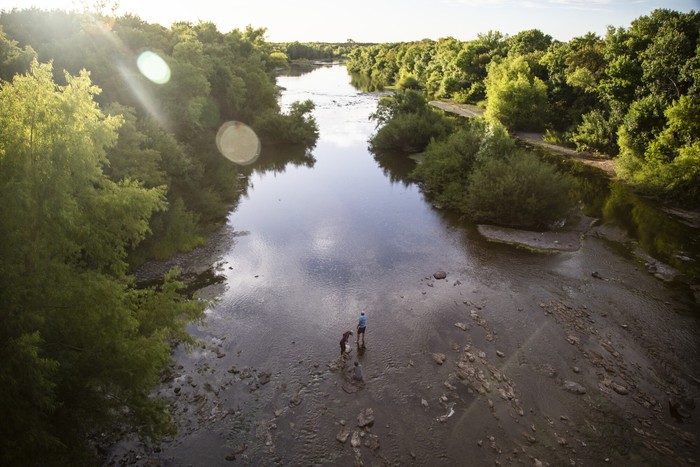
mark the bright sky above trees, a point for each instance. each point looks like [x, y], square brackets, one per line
[388, 20]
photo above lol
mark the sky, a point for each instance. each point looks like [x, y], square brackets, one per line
[387, 20]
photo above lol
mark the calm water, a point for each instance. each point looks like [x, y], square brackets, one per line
[319, 239]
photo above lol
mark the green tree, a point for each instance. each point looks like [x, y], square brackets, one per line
[407, 122]
[81, 349]
[518, 190]
[447, 164]
[515, 97]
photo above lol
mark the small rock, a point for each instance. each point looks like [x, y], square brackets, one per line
[342, 435]
[365, 418]
[576, 369]
[424, 403]
[461, 326]
[355, 440]
[264, 377]
[372, 442]
[278, 412]
[440, 275]
[500, 354]
[596, 275]
[230, 458]
[574, 388]
[573, 340]
[620, 389]
[439, 358]
[240, 449]
[177, 390]
[480, 442]
[295, 400]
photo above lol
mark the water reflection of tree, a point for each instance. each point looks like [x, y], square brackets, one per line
[365, 83]
[659, 235]
[396, 166]
[642, 219]
[276, 159]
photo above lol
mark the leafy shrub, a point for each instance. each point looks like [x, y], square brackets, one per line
[447, 164]
[518, 190]
[409, 123]
[295, 127]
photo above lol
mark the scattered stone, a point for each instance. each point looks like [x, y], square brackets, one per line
[500, 354]
[372, 441]
[576, 369]
[440, 275]
[461, 326]
[295, 400]
[574, 388]
[439, 358]
[620, 389]
[240, 449]
[230, 458]
[573, 340]
[424, 403]
[177, 390]
[365, 418]
[342, 435]
[596, 275]
[278, 412]
[480, 443]
[355, 440]
[264, 377]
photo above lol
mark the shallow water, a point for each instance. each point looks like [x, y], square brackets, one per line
[316, 242]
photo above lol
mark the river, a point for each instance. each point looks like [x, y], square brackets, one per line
[338, 231]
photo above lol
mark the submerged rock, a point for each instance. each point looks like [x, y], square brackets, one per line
[342, 435]
[365, 418]
[439, 358]
[440, 275]
[574, 387]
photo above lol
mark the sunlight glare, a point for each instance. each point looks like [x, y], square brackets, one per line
[153, 67]
[238, 143]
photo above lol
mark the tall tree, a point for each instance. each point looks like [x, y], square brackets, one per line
[80, 349]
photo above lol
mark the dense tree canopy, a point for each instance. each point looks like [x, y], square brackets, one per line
[104, 164]
[629, 93]
[81, 349]
[169, 132]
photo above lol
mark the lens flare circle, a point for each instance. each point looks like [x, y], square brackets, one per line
[238, 143]
[153, 67]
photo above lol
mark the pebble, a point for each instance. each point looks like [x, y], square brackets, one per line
[439, 358]
[574, 388]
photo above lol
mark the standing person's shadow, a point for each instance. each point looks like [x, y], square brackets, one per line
[361, 349]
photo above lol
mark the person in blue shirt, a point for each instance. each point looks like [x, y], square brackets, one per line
[361, 327]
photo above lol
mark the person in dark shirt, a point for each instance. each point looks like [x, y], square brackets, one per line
[344, 342]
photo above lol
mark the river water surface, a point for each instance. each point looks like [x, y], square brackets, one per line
[315, 242]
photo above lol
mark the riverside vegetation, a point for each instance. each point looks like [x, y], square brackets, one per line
[633, 95]
[100, 170]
